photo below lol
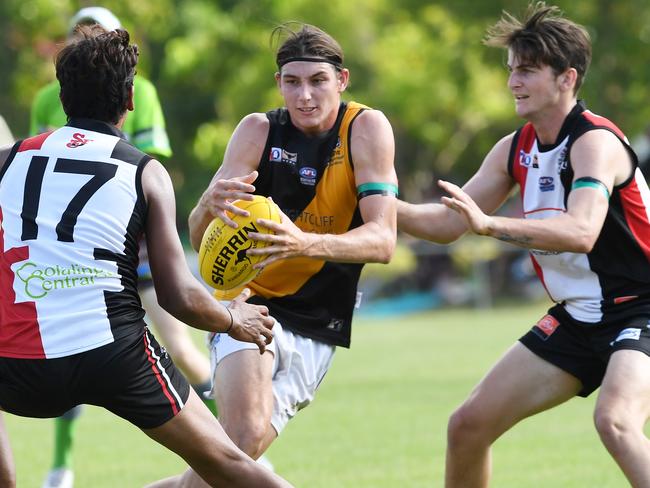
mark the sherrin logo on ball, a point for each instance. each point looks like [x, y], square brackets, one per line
[223, 262]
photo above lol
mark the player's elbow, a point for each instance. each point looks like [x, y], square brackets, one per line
[386, 249]
[584, 240]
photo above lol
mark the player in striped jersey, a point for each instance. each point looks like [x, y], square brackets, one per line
[73, 204]
[587, 226]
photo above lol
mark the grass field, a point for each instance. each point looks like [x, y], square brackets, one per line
[378, 421]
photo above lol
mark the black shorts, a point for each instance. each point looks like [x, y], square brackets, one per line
[583, 349]
[133, 377]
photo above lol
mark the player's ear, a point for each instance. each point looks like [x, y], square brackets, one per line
[343, 77]
[129, 103]
[568, 79]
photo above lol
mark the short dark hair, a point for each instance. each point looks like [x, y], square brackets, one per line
[309, 42]
[95, 70]
[544, 37]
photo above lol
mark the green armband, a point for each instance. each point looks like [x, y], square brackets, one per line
[589, 182]
[385, 189]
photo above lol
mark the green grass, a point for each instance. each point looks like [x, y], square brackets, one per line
[378, 421]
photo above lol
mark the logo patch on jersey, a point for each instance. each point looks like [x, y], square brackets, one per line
[39, 281]
[308, 176]
[279, 155]
[546, 326]
[524, 159]
[546, 183]
[78, 139]
[535, 161]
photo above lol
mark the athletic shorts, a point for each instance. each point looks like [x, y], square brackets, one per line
[583, 349]
[133, 377]
[299, 366]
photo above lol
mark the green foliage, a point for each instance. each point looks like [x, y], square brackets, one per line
[422, 63]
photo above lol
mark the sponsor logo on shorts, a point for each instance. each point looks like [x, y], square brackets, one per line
[39, 281]
[618, 300]
[633, 334]
[546, 326]
[78, 139]
[335, 325]
[546, 183]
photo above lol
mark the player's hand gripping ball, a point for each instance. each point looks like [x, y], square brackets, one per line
[223, 261]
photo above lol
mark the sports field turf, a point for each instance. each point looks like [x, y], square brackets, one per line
[378, 421]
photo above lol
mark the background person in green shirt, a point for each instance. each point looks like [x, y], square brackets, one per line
[145, 128]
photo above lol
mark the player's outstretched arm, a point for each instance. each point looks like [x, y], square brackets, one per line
[597, 155]
[178, 291]
[234, 179]
[488, 188]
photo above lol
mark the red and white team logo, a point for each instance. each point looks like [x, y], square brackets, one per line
[547, 324]
[78, 139]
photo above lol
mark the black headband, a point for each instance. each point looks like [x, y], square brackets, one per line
[311, 59]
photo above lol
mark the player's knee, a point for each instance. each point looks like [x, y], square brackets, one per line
[464, 424]
[248, 435]
[611, 425]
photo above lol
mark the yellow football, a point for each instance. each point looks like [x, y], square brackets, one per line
[223, 262]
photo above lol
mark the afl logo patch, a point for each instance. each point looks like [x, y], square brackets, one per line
[546, 183]
[308, 176]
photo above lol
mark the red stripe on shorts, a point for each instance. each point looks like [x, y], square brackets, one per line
[159, 377]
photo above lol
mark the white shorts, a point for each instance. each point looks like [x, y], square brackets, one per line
[299, 366]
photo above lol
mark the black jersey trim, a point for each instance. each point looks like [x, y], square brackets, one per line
[513, 151]
[10, 158]
[350, 135]
[568, 127]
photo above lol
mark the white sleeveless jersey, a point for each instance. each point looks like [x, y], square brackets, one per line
[71, 212]
[615, 275]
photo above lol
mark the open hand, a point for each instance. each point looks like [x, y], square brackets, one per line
[221, 193]
[286, 241]
[461, 202]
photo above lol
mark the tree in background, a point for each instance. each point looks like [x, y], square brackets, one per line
[421, 61]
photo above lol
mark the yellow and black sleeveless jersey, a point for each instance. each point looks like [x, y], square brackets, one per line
[312, 180]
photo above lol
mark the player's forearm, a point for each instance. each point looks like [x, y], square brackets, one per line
[430, 221]
[562, 234]
[194, 306]
[370, 243]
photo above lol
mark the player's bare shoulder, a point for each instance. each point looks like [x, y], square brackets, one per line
[248, 141]
[370, 123]
[253, 125]
[372, 139]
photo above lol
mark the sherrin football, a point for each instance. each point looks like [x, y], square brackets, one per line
[223, 262]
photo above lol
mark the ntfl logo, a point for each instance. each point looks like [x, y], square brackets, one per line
[78, 139]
